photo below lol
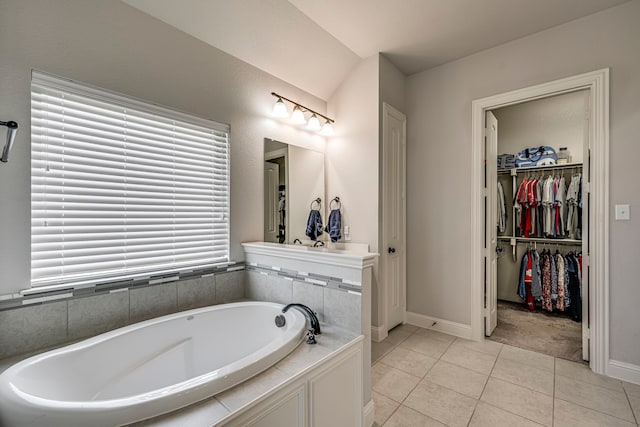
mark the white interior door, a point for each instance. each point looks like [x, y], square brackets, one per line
[271, 199]
[393, 251]
[491, 216]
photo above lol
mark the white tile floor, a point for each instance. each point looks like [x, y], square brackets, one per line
[425, 378]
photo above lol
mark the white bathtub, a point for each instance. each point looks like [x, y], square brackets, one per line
[148, 368]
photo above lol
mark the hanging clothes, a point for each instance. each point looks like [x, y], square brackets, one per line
[551, 282]
[546, 282]
[562, 276]
[529, 283]
[575, 287]
[574, 202]
[502, 210]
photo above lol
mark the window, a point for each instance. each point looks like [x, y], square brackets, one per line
[121, 188]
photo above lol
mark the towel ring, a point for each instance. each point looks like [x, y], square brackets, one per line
[318, 201]
[337, 200]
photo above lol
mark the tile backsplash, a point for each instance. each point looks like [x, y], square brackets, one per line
[33, 327]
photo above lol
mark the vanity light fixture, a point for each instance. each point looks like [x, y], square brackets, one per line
[298, 115]
[280, 109]
[313, 123]
[327, 129]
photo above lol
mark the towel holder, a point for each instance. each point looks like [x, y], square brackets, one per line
[337, 200]
[318, 201]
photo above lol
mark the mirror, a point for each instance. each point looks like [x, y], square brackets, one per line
[293, 179]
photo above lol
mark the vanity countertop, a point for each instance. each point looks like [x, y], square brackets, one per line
[325, 255]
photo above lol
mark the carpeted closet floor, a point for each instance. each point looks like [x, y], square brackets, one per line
[548, 333]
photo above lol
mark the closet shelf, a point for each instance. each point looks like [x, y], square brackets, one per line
[542, 240]
[515, 171]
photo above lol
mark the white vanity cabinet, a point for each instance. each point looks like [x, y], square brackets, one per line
[327, 395]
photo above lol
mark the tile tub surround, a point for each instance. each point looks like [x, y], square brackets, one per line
[427, 378]
[32, 327]
[345, 277]
[333, 301]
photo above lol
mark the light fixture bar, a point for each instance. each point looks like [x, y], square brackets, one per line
[303, 107]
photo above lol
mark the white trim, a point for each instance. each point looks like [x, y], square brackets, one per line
[270, 155]
[597, 82]
[378, 333]
[368, 414]
[624, 371]
[446, 326]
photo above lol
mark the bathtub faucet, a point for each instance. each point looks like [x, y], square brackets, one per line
[315, 323]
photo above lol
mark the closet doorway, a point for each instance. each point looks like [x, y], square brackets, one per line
[500, 243]
[538, 227]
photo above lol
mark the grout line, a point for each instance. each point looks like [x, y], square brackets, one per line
[418, 383]
[485, 385]
[595, 410]
[631, 406]
[512, 413]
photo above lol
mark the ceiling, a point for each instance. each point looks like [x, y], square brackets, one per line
[313, 44]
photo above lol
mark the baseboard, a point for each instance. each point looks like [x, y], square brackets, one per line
[368, 414]
[378, 333]
[624, 371]
[452, 328]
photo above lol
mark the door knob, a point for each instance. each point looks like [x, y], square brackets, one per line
[392, 250]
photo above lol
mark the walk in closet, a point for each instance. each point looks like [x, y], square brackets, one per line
[541, 224]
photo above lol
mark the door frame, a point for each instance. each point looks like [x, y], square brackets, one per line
[597, 82]
[387, 109]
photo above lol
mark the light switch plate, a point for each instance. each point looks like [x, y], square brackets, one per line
[622, 213]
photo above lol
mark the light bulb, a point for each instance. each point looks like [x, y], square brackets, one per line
[279, 109]
[327, 128]
[314, 123]
[297, 116]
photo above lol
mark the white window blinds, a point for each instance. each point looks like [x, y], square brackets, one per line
[121, 188]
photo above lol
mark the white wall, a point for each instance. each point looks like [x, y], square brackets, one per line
[557, 121]
[439, 159]
[114, 46]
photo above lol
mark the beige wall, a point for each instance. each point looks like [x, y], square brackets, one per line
[114, 46]
[439, 159]
[352, 163]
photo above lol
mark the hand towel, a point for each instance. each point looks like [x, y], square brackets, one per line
[334, 226]
[314, 225]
